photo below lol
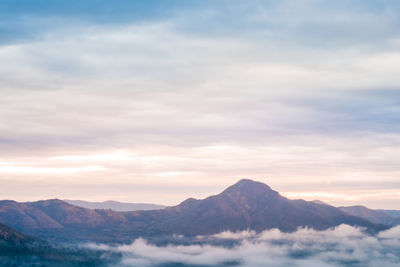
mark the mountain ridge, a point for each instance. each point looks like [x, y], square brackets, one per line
[114, 205]
[245, 205]
[375, 216]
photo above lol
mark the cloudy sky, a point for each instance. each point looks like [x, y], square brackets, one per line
[157, 101]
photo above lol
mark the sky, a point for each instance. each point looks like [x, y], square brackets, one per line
[158, 101]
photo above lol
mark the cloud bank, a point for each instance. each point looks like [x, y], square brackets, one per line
[340, 246]
[302, 95]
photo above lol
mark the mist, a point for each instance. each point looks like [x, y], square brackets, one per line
[340, 246]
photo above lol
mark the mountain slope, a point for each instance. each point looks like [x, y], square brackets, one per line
[57, 220]
[11, 236]
[252, 205]
[115, 205]
[392, 213]
[244, 205]
[369, 214]
[17, 249]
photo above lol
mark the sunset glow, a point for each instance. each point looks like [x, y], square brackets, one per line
[168, 101]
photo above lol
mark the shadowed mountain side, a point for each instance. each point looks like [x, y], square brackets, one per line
[11, 236]
[57, 220]
[115, 205]
[320, 202]
[244, 205]
[392, 213]
[252, 205]
[17, 249]
[374, 216]
[12, 242]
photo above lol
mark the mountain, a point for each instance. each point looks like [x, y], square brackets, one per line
[114, 205]
[10, 236]
[254, 205]
[320, 202]
[244, 205]
[13, 242]
[374, 216]
[57, 220]
[392, 213]
[17, 249]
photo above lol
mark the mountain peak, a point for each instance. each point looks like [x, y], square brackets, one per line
[51, 202]
[248, 185]
[250, 192]
[246, 205]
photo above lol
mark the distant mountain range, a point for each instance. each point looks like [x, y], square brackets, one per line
[380, 216]
[392, 213]
[244, 205]
[115, 205]
[375, 216]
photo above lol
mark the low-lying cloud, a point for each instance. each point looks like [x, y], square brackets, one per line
[340, 246]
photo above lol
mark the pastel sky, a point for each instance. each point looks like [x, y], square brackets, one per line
[157, 101]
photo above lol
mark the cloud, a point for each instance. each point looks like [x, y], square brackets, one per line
[34, 170]
[236, 235]
[340, 246]
[196, 91]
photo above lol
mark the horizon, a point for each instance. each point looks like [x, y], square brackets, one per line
[158, 101]
[178, 203]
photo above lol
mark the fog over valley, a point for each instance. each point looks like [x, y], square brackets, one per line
[341, 246]
[199, 133]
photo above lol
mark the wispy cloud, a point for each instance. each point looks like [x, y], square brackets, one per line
[265, 92]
